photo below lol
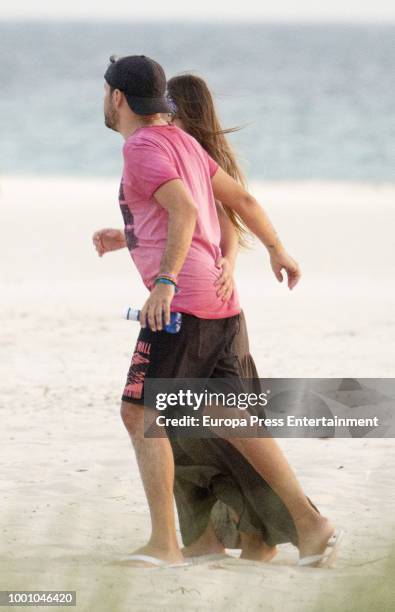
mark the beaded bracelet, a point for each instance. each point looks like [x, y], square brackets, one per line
[166, 281]
[168, 275]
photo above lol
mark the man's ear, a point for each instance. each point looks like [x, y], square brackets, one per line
[117, 97]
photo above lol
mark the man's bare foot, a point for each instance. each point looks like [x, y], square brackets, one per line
[313, 535]
[167, 555]
[254, 548]
[207, 544]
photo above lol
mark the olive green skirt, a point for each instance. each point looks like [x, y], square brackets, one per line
[213, 482]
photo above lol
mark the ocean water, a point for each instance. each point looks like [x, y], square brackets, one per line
[315, 101]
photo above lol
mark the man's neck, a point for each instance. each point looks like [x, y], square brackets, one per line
[134, 124]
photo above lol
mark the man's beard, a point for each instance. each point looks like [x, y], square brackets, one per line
[111, 119]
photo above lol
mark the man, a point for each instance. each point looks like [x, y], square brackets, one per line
[167, 197]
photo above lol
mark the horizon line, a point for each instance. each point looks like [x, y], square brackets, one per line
[217, 20]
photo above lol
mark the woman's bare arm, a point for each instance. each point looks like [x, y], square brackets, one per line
[231, 193]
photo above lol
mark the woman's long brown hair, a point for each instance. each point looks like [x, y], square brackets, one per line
[195, 108]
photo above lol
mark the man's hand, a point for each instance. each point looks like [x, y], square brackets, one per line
[156, 310]
[225, 282]
[108, 239]
[280, 259]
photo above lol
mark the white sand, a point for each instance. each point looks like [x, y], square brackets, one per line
[71, 498]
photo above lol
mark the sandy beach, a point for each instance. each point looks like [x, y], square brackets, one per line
[72, 504]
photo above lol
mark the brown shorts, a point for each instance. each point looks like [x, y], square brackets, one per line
[203, 348]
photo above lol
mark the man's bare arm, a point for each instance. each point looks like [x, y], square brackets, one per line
[231, 193]
[175, 198]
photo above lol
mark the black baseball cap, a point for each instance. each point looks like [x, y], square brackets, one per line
[142, 81]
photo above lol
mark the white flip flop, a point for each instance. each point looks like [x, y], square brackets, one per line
[327, 558]
[153, 561]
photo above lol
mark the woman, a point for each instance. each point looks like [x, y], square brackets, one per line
[248, 514]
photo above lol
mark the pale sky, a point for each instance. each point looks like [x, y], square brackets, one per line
[279, 10]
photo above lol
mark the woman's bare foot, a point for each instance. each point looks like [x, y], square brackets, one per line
[314, 532]
[255, 549]
[207, 544]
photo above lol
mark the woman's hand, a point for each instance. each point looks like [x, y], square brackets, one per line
[108, 239]
[279, 259]
[225, 282]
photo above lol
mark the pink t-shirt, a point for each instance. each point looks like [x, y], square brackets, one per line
[154, 155]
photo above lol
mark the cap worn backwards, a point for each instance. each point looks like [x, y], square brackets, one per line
[142, 81]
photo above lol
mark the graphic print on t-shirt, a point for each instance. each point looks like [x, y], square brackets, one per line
[131, 239]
